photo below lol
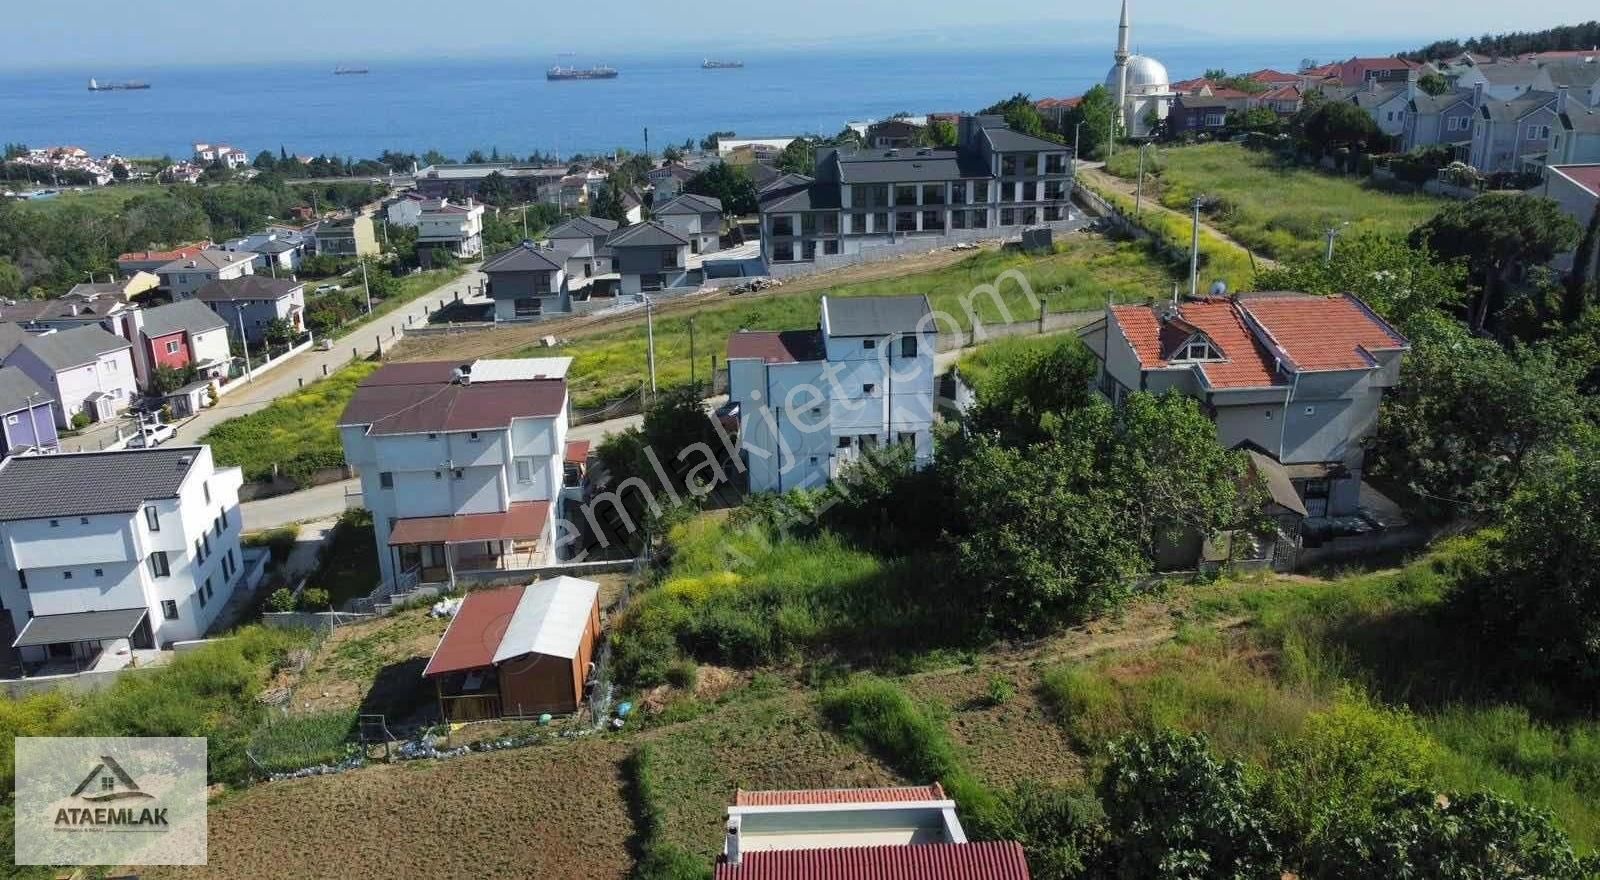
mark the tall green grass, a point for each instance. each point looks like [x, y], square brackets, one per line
[1277, 209]
[1220, 259]
[297, 433]
[655, 857]
[1081, 274]
[285, 743]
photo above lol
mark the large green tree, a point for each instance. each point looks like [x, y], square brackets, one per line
[1462, 429]
[1497, 235]
[730, 184]
[1334, 124]
[1581, 279]
[1097, 113]
[1026, 396]
[1405, 284]
[1020, 114]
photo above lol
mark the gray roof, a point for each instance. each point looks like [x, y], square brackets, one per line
[1006, 140]
[525, 258]
[648, 234]
[1425, 103]
[190, 315]
[1383, 94]
[1518, 107]
[11, 336]
[906, 165]
[1582, 120]
[689, 203]
[210, 258]
[1581, 74]
[876, 315]
[79, 626]
[89, 483]
[1509, 73]
[583, 227]
[276, 246]
[258, 287]
[66, 349]
[15, 390]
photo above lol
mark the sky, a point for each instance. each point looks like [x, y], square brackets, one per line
[114, 34]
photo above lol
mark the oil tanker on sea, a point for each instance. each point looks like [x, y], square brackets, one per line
[131, 85]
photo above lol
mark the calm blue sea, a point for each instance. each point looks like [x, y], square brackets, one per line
[459, 105]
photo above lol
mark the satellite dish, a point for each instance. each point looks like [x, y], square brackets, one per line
[1219, 288]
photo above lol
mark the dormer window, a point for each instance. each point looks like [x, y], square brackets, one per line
[1197, 349]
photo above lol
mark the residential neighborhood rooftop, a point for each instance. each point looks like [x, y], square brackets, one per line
[90, 483]
[248, 287]
[583, 227]
[876, 315]
[1586, 176]
[427, 397]
[648, 234]
[777, 346]
[989, 860]
[184, 316]
[793, 797]
[208, 259]
[64, 349]
[17, 391]
[526, 257]
[690, 203]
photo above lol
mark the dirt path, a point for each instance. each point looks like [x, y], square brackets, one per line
[1099, 178]
[501, 342]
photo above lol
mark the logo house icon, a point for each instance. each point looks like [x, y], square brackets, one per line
[108, 782]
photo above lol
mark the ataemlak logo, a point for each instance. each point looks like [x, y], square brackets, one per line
[142, 801]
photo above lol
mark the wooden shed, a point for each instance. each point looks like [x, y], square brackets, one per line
[517, 652]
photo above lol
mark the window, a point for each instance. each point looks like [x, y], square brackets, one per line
[1214, 120]
[169, 609]
[869, 344]
[12, 419]
[66, 575]
[1008, 166]
[83, 520]
[472, 436]
[152, 519]
[527, 307]
[55, 524]
[437, 475]
[206, 488]
[216, 525]
[99, 572]
[458, 474]
[385, 479]
[209, 593]
[199, 551]
[1055, 163]
[172, 347]
[782, 252]
[432, 436]
[524, 470]
[22, 579]
[1199, 351]
[205, 541]
[980, 191]
[200, 594]
[869, 388]
[223, 515]
[844, 443]
[830, 246]
[907, 438]
[1008, 217]
[158, 564]
[908, 346]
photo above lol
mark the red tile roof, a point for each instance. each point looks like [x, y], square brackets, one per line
[184, 252]
[1323, 333]
[1057, 103]
[1268, 75]
[1280, 93]
[1192, 85]
[475, 632]
[990, 860]
[577, 451]
[785, 347]
[1247, 365]
[784, 798]
[522, 521]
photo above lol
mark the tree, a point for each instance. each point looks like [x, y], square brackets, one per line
[1406, 285]
[1584, 261]
[265, 161]
[1339, 124]
[1262, 119]
[799, 156]
[1544, 597]
[710, 141]
[165, 379]
[672, 154]
[278, 331]
[608, 203]
[1174, 810]
[496, 189]
[1020, 114]
[1097, 112]
[1434, 83]
[729, 184]
[1027, 394]
[940, 133]
[1497, 234]
[11, 285]
[1462, 429]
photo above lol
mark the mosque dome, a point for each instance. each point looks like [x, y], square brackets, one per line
[1145, 76]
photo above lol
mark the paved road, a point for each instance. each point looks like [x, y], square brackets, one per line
[305, 367]
[327, 501]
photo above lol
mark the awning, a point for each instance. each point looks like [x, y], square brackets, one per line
[577, 451]
[524, 521]
[80, 626]
[474, 634]
[1275, 479]
[1313, 471]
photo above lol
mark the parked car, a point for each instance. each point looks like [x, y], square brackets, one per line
[151, 436]
[328, 288]
[325, 344]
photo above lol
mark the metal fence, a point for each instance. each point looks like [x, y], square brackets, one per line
[602, 691]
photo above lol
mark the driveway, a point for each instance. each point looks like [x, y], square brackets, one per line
[303, 368]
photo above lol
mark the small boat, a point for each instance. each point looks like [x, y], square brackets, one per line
[711, 64]
[561, 73]
[341, 70]
[131, 85]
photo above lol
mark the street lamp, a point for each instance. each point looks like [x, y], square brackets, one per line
[1333, 232]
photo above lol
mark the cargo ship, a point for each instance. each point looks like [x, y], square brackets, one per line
[131, 85]
[710, 64]
[601, 72]
[341, 70]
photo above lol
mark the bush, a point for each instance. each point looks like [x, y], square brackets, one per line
[279, 542]
[314, 599]
[286, 743]
[80, 421]
[281, 600]
[683, 674]
[1174, 810]
[1000, 690]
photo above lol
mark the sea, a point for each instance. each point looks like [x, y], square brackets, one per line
[456, 105]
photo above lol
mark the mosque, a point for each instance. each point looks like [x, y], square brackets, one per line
[1140, 86]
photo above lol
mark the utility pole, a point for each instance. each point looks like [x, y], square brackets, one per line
[364, 288]
[1138, 192]
[650, 336]
[1194, 247]
[244, 342]
[524, 222]
[1333, 232]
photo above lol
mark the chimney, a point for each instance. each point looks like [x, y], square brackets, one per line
[731, 850]
[1561, 101]
[1477, 94]
[463, 374]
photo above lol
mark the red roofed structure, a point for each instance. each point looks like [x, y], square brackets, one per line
[793, 797]
[1296, 376]
[990, 860]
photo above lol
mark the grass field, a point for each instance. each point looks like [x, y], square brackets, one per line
[1080, 275]
[1281, 211]
[112, 197]
[407, 290]
[296, 432]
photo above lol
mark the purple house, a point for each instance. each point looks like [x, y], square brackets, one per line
[26, 419]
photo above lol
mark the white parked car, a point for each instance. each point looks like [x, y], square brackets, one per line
[328, 288]
[151, 436]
